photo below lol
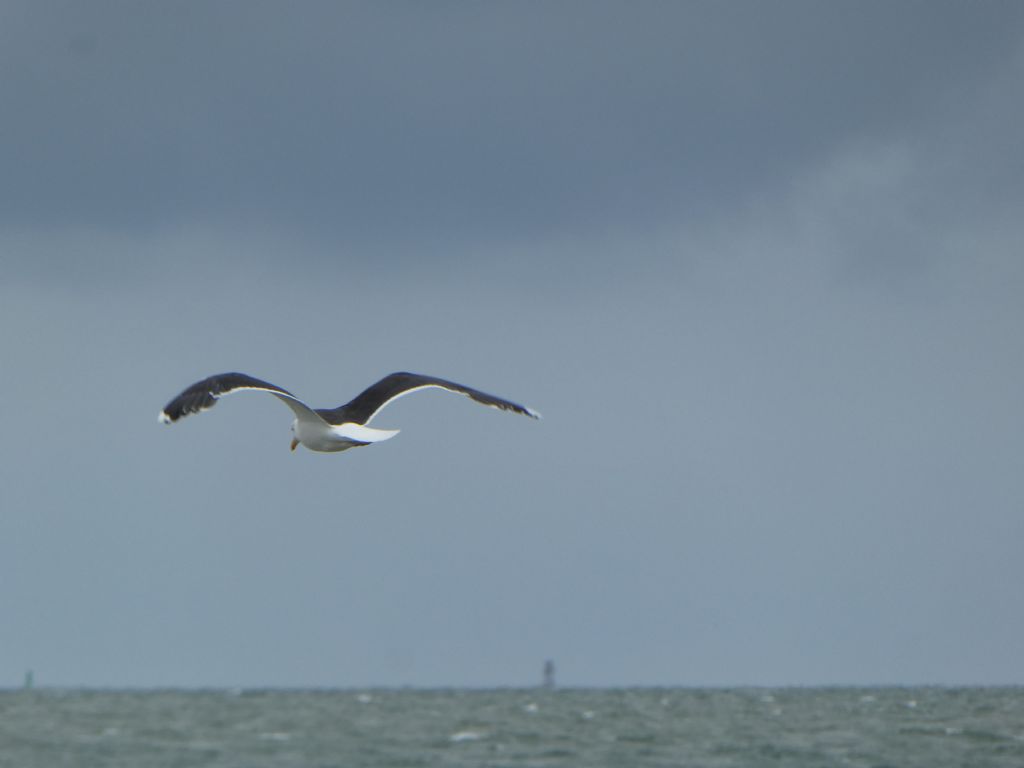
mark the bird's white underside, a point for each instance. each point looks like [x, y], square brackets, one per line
[331, 438]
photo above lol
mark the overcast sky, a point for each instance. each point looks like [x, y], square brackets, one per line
[758, 264]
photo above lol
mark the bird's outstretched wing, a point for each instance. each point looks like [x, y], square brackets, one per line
[204, 394]
[368, 403]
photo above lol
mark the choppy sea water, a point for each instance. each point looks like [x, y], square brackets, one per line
[897, 727]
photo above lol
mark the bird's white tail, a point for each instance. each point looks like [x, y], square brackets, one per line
[362, 434]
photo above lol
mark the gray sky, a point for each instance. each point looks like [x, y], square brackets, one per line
[758, 264]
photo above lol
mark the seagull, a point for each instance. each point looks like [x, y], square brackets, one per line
[328, 429]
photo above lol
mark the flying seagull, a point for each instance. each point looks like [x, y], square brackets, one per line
[328, 429]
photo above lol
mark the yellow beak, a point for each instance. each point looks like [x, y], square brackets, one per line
[295, 443]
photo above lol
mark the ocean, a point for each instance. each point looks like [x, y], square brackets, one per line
[620, 728]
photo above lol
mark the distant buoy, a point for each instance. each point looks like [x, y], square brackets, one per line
[549, 674]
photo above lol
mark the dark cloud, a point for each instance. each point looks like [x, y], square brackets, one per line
[443, 121]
